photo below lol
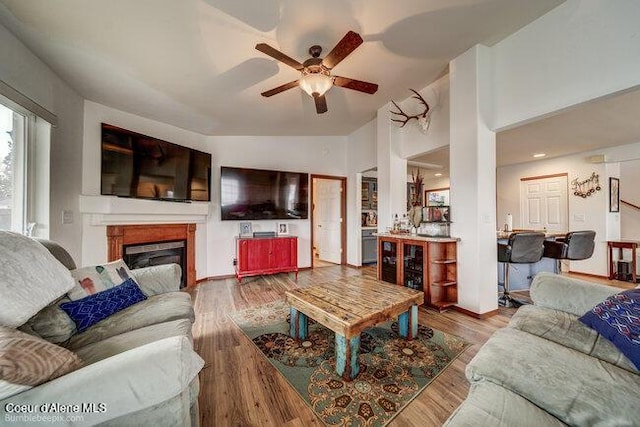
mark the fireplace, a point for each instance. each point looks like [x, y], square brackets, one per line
[147, 255]
[153, 244]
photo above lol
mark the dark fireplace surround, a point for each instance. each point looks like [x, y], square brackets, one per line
[154, 244]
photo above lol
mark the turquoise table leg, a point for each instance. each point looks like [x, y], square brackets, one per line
[299, 326]
[408, 323]
[347, 357]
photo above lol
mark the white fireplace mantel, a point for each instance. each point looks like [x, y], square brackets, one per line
[112, 210]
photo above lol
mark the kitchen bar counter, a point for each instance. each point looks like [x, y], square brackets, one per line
[409, 236]
[506, 234]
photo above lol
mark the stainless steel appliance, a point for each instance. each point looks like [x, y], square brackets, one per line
[369, 246]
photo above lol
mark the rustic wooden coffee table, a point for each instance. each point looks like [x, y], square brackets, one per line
[348, 306]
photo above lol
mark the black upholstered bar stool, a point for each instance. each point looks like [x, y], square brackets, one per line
[522, 248]
[575, 245]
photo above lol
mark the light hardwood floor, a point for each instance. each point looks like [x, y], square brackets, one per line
[240, 388]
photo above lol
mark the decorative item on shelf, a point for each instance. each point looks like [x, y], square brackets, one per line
[436, 221]
[415, 199]
[283, 229]
[435, 229]
[245, 229]
[423, 118]
[399, 225]
[587, 187]
[436, 214]
[371, 219]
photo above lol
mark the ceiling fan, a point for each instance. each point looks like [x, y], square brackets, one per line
[316, 78]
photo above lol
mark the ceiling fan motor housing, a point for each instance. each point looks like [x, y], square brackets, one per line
[315, 51]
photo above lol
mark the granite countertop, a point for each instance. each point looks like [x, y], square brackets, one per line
[409, 236]
[548, 234]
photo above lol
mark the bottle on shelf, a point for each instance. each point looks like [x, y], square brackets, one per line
[396, 223]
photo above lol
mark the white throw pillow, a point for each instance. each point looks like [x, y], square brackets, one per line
[97, 278]
[30, 278]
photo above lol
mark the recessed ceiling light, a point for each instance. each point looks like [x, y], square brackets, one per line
[538, 155]
[437, 174]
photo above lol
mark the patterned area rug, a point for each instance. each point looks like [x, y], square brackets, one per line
[393, 371]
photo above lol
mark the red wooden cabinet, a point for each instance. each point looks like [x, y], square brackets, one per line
[266, 255]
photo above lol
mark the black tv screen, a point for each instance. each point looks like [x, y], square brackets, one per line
[136, 165]
[251, 194]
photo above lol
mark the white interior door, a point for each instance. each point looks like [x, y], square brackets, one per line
[544, 204]
[328, 220]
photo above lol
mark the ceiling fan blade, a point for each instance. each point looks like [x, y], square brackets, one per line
[348, 44]
[282, 88]
[321, 103]
[276, 54]
[358, 85]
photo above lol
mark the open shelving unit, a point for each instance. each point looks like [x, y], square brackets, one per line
[421, 263]
[443, 274]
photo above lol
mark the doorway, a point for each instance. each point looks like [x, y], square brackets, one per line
[328, 220]
[544, 203]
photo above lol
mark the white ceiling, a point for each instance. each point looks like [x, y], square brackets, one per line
[192, 63]
[607, 122]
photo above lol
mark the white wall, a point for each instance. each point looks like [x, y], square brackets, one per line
[630, 191]
[392, 170]
[431, 183]
[215, 248]
[315, 155]
[579, 51]
[411, 138]
[591, 213]
[361, 156]
[22, 70]
[94, 246]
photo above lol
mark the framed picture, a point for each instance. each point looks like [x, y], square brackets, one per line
[283, 229]
[436, 197]
[614, 195]
[245, 229]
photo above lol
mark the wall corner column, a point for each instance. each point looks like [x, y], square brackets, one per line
[392, 171]
[473, 179]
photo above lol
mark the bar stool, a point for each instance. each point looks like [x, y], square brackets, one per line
[522, 248]
[575, 245]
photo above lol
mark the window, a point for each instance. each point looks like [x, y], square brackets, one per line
[25, 144]
[13, 126]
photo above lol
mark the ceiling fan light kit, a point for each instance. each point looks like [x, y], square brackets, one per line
[315, 83]
[316, 78]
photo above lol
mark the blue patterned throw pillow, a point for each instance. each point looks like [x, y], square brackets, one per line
[618, 319]
[90, 310]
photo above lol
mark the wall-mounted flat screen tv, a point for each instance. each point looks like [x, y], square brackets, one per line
[136, 165]
[252, 194]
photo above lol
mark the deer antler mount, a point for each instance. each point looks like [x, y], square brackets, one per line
[423, 118]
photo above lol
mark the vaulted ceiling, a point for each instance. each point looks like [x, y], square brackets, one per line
[192, 63]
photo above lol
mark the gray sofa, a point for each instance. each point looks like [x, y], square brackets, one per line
[138, 364]
[548, 369]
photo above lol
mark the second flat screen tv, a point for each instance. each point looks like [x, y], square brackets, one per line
[252, 194]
